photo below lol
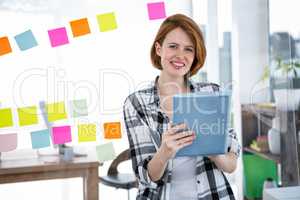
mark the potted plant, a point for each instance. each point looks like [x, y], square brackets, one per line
[285, 84]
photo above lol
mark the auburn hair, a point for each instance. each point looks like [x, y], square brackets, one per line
[193, 31]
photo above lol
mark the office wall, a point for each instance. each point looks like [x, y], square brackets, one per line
[250, 47]
[249, 56]
[101, 67]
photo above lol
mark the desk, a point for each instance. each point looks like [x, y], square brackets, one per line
[284, 193]
[35, 169]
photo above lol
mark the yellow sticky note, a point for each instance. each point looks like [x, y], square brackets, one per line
[86, 132]
[6, 119]
[107, 22]
[27, 116]
[56, 111]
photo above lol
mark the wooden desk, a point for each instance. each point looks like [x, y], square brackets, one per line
[40, 169]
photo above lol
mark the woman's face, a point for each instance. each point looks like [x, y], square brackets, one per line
[177, 53]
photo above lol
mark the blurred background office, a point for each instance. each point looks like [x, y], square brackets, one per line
[242, 38]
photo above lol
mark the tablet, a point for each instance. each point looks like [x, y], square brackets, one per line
[208, 114]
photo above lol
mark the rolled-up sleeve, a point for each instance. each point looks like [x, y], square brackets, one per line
[234, 145]
[142, 148]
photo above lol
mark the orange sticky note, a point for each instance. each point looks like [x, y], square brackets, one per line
[5, 47]
[80, 27]
[112, 130]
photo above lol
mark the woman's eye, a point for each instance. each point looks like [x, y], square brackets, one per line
[172, 46]
[190, 50]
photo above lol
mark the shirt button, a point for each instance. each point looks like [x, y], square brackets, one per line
[198, 182]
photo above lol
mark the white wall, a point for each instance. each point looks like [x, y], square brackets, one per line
[250, 46]
[249, 56]
[74, 71]
[213, 69]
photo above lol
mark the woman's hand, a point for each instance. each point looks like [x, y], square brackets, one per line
[175, 138]
[226, 162]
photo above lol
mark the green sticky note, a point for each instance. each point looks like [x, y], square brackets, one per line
[78, 108]
[56, 111]
[107, 22]
[27, 115]
[105, 152]
[86, 132]
[6, 119]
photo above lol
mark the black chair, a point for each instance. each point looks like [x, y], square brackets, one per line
[119, 180]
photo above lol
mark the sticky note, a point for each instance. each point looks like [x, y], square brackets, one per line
[107, 22]
[61, 134]
[6, 119]
[156, 10]
[105, 152]
[112, 130]
[5, 47]
[26, 40]
[27, 116]
[58, 36]
[86, 132]
[78, 108]
[40, 139]
[8, 142]
[56, 111]
[80, 27]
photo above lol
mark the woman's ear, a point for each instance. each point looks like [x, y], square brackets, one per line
[157, 48]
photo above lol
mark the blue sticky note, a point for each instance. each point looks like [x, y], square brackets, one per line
[40, 139]
[26, 40]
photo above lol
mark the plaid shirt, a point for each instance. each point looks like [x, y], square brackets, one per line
[145, 122]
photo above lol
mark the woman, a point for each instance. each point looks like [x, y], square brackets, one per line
[179, 52]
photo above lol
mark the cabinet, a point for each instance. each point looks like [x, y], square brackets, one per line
[256, 120]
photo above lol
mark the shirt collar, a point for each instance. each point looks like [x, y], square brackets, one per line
[154, 90]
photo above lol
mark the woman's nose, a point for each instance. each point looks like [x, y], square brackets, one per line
[180, 54]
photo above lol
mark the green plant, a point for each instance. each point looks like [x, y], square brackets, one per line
[283, 67]
[287, 68]
[266, 73]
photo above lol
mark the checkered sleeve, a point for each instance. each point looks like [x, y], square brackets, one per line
[142, 148]
[234, 147]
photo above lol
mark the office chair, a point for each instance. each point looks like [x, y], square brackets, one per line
[119, 180]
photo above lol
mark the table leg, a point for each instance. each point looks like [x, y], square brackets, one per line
[91, 184]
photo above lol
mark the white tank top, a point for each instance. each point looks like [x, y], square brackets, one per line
[183, 183]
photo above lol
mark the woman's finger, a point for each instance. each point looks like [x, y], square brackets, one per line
[184, 144]
[183, 134]
[178, 128]
[185, 140]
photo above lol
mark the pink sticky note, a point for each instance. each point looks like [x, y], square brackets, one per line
[58, 36]
[156, 10]
[61, 134]
[8, 142]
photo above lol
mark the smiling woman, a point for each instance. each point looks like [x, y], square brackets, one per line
[179, 52]
[176, 52]
[186, 35]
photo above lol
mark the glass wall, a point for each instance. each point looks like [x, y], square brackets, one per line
[284, 42]
[222, 24]
[224, 36]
